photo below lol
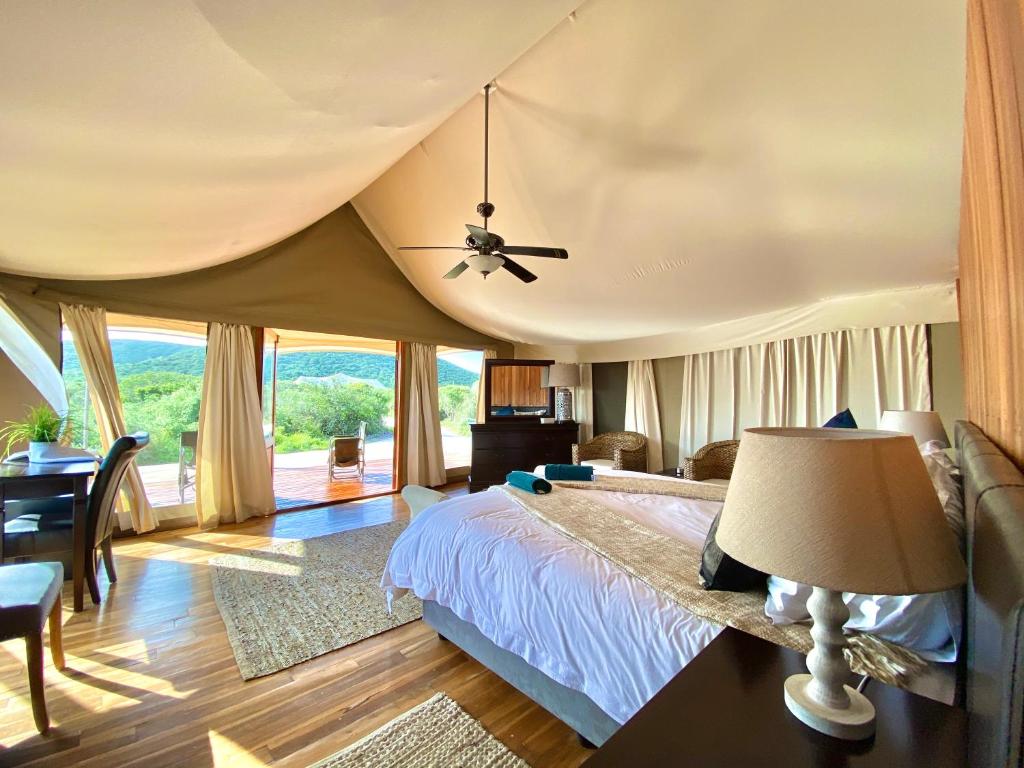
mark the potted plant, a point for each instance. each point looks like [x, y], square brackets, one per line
[41, 428]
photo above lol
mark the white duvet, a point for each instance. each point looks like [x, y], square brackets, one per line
[567, 611]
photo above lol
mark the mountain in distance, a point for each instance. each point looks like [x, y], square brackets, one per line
[133, 356]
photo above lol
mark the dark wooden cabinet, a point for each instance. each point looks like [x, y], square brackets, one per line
[501, 447]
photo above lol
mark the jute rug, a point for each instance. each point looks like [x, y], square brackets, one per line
[436, 733]
[301, 599]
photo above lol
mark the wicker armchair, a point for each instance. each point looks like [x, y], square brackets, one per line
[626, 450]
[714, 460]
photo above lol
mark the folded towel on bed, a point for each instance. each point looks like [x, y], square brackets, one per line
[528, 481]
[568, 472]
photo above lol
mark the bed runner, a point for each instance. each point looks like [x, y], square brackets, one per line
[670, 566]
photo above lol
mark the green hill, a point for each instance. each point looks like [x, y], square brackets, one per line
[132, 357]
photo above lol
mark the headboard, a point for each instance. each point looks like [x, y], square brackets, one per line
[994, 630]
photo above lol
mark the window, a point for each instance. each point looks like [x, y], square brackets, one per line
[159, 367]
[458, 383]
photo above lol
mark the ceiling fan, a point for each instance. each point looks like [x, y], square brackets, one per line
[489, 250]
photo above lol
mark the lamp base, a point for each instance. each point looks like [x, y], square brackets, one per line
[853, 723]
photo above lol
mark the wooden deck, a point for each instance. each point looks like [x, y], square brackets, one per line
[294, 487]
[151, 680]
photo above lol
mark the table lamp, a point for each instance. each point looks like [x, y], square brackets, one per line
[923, 425]
[562, 376]
[842, 510]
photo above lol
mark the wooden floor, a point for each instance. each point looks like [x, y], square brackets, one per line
[151, 679]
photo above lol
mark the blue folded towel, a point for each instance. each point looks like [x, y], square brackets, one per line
[568, 472]
[527, 481]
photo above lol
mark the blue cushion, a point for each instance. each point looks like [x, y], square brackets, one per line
[527, 481]
[505, 410]
[568, 472]
[842, 420]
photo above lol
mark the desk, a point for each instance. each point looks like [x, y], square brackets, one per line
[41, 481]
[725, 708]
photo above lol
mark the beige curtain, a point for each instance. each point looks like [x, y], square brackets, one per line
[88, 326]
[584, 402]
[481, 414]
[424, 453]
[802, 383]
[233, 480]
[642, 409]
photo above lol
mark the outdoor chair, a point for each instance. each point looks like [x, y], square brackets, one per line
[187, 462]
[347, 453]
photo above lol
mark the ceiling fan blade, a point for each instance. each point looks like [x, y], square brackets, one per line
[519, 271]
[455, 271]
[480, 235]
[433, 248]
[530, 250]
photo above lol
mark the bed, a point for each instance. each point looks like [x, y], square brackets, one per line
[573, 648]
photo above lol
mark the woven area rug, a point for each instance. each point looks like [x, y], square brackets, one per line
[301, 599]
[436, 733]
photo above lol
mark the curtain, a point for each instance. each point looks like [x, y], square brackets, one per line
[642, 409]
[424, 453]
[584, 402]
[481, 414]
[88, 326]
[233, 480]
[802, 383]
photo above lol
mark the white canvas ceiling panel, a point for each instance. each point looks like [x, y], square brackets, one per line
[702, 161]
[146, 138]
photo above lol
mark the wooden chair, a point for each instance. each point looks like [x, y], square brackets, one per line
[187, 462]
[30, 596]
[42, 527]
[347, 452]
[712, 462]
[616, 450]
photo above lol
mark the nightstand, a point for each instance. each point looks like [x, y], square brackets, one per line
[725, 708]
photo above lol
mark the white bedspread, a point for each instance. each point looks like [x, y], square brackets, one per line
[567, 611]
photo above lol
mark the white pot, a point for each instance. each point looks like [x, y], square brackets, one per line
[40, 451]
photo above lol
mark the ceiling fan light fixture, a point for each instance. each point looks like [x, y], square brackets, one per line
[484, 263]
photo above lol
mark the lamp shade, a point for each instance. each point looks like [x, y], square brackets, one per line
[843, 509]
[562, 375]
[923, 425]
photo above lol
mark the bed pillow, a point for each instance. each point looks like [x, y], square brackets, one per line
[720, 571]
[842, 420]
[930, 623]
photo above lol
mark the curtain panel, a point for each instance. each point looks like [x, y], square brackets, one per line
[423, 450]
[88, 326]
[803, 382]
[642, 409]
[481, 413]
[584, 402]
[233, 480]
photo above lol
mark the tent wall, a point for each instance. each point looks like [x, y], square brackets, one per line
[332, 277]
[43, 321]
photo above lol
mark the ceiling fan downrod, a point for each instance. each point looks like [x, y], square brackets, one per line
[486, 208]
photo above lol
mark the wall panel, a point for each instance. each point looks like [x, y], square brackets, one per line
[992, 223]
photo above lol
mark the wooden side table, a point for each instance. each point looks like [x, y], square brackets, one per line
[725, 708]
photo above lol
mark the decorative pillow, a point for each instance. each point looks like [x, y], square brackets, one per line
[505, 410]
[930, 623]
[842, 420]
[720, 571]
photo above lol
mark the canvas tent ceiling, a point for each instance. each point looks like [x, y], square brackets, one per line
[702, 160]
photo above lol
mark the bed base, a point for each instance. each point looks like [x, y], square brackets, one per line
[573, 708]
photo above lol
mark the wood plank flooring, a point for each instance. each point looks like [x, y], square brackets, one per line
[151, 679]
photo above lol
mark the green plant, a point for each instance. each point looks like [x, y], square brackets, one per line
[40, 425]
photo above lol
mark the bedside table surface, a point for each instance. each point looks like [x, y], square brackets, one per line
[726, 708]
